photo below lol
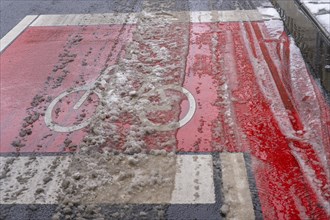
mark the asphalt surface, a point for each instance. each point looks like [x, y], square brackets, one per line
[276, 150]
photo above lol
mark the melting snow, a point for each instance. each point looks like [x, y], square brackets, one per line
[274, 23]
[321, 10]
[324, 20]
[269, 13]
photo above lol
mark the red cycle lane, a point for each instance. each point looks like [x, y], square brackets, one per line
[248, 89]
[41, 64]
[250, 85]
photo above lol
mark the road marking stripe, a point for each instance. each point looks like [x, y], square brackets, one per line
[85, 19]
[194, 180]
[132, 18]
[237, 196]
[225, 16]
[25, 175]
[16, 31]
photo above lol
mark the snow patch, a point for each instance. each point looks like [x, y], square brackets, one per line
[269, 12]
[321, 10]
[324, 20]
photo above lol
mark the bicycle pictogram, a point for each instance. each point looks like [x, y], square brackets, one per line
[93, 88]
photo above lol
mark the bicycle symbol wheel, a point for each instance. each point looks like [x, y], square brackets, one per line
[142, 115]
[181, 122]
[48, 114]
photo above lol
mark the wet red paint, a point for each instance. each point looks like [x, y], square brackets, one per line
[25, 70]
[285, 182]
[248, 94]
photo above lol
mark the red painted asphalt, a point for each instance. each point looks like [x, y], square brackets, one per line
[250, 98]
[28, 69]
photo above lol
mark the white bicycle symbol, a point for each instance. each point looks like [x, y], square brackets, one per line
[92, 88]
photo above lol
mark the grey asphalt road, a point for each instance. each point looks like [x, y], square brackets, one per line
[12, 11]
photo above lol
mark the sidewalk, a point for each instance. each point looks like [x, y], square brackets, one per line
[161, 115]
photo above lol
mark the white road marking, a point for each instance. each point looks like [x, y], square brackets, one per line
[16, 31]
[225, 16]
[48, 114]
[26, 176]
[236, 190]
[132, 18]
[88, 88]
[170, 126]
[85, 19]
[200, 16]
[192, 108]
[194, 180]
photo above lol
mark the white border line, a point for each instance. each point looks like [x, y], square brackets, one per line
[16, 31]
[237, 196]
[225, 16]
[132, 18]
[193, 181]
[20, 186]
[86, 19]
[127, 18]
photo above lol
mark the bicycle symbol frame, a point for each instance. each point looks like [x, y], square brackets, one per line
[90, 88]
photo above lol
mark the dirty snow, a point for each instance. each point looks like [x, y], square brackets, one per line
[130, 171]
[121, 161]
